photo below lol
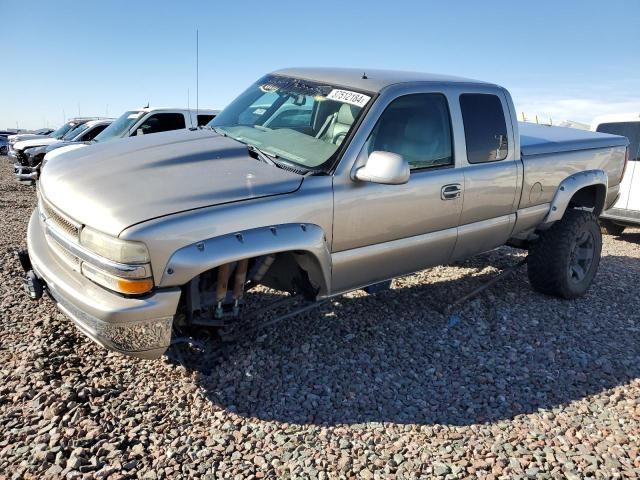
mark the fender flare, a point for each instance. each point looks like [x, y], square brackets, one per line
[199, 257]
[568, 188]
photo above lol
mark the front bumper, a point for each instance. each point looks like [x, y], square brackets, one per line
[139, 327]
[26, 175]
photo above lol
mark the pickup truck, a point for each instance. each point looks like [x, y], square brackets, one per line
[33, 151]
[313, 182]
[626, 211]
[131, 123]
[56, 134]
[145, 121]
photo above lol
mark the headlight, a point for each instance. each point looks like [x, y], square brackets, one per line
[32, 152]
[125, 268]
[122, 251]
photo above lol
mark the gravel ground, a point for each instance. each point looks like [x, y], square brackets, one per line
[510, 385]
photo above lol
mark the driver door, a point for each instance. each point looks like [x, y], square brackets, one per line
[382, 231]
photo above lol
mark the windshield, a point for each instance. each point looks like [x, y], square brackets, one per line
[120, 127]
[300, 121]
[60, 132]
[79, 130]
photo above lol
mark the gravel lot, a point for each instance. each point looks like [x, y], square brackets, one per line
[511, 385]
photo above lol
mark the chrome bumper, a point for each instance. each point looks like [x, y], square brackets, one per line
[26, 174]
[139, 327]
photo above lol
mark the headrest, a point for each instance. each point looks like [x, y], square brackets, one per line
[347, 114]
[419, 128]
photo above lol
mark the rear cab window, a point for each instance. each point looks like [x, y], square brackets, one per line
[631, 130]
[485, 127]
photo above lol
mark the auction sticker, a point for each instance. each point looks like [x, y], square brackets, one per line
[346, 96]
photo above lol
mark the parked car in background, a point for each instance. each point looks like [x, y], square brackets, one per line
[56, 134]
[626, 211]
[313, 182]
[33, 151]
[146, 121]
[4, 144]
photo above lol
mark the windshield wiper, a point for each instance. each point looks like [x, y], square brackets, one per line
[262, 155]
[219, 131]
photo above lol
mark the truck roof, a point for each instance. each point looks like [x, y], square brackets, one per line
[100, 121]
[375, 80]
[178, 109]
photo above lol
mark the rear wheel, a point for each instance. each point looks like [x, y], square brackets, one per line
[565, 258]
[607, 226]
[4, 150]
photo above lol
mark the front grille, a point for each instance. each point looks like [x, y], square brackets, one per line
[22, 157]
[61, 223]
[68, 257]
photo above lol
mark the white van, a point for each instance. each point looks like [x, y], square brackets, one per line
[626, 211]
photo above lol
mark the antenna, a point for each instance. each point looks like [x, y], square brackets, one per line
[78, 108]
[197, 72]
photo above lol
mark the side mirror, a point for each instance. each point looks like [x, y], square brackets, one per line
[139, 132]
[384, 167]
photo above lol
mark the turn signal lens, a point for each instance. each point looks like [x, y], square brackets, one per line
[134, 287]
[127, 286]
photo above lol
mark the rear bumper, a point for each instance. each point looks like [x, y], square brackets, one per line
[139, 327]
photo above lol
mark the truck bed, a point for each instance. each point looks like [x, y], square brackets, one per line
[541, 139]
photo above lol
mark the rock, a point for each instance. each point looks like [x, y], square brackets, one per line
[441, 469]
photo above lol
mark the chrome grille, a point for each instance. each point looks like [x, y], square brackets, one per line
[61, 223]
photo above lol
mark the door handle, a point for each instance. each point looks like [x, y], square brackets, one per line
[451, 191]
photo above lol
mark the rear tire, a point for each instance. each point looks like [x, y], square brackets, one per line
[565, 258]
[607, 226]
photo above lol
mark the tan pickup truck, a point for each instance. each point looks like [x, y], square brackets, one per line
[313, 182]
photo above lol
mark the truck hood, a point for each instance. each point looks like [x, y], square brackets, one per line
[63, 149]
[114, 185]
[25, 136]
[34, 142]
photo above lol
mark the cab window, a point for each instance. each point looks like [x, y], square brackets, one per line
[485, 129]
[417, 127]
[91, 134]
[204, 119]
[161, 122]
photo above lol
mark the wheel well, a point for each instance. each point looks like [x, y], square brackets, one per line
[296, 271]
[591, 197]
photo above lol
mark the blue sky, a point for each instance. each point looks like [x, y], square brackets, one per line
[564, 59]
